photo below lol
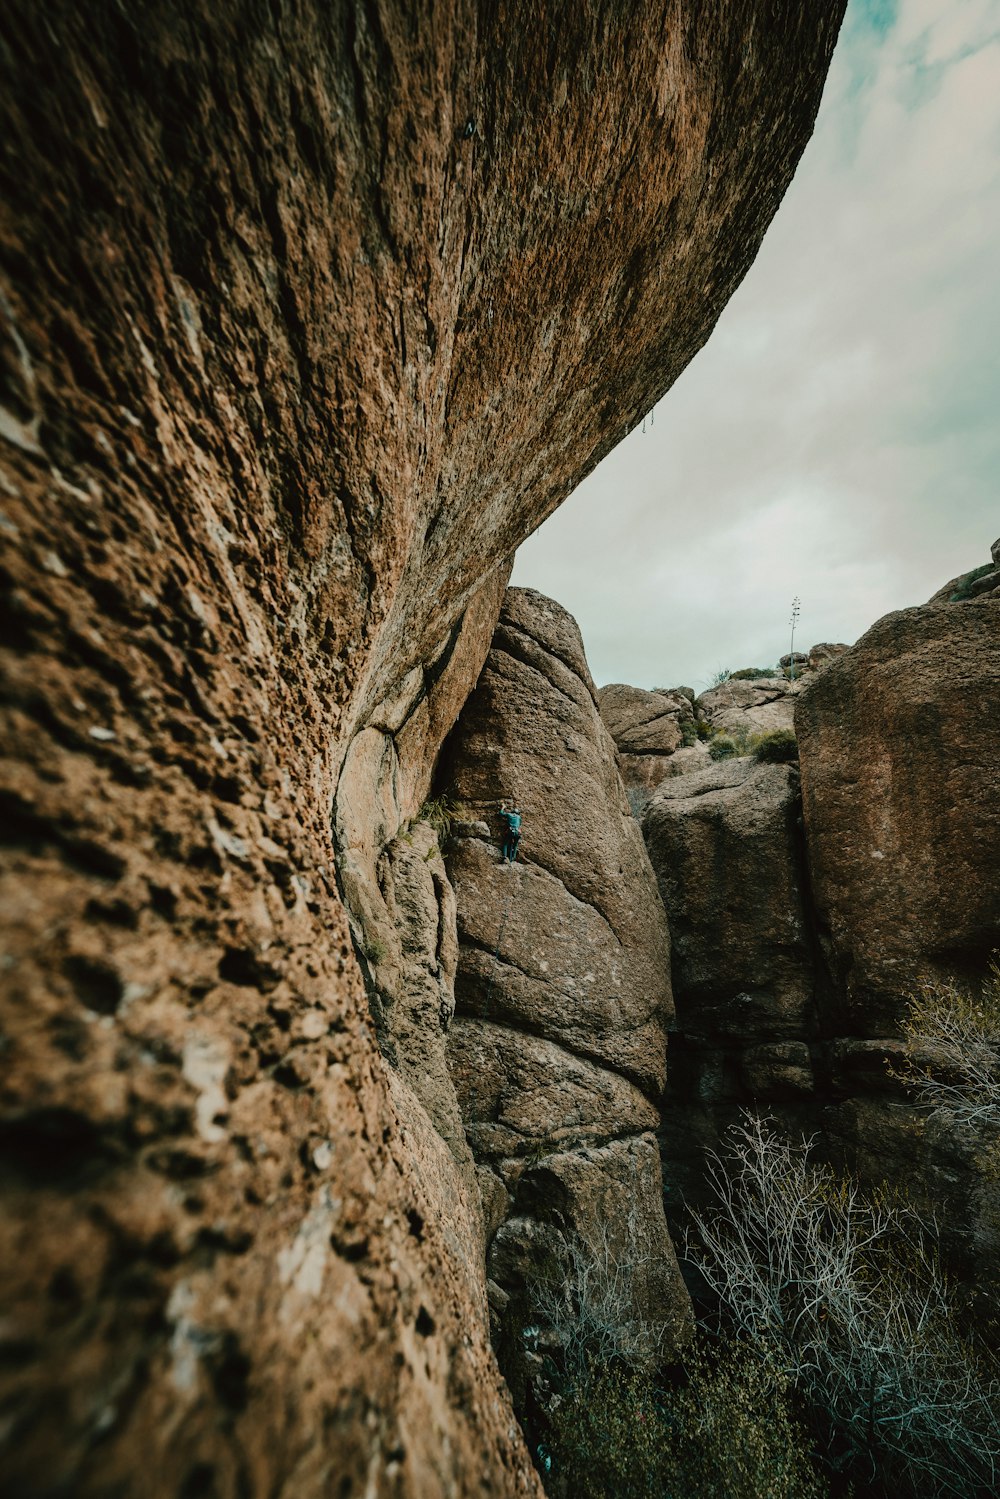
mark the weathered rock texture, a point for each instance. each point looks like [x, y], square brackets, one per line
[727, 850]
[900, 762]
[726, 846]
[563, 987]
[647, 727]
[900, 755]
[310, 314]
[792, 962]
[750, 706]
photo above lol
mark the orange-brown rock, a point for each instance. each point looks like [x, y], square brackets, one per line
[562, 991]
[309, 315]
[647, 727]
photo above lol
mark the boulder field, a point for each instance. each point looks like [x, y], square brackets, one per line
[309, 315]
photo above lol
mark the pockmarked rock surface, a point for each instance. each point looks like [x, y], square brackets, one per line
[563, 987]
[309, 315]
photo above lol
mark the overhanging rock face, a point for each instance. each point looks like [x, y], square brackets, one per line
[310, 313]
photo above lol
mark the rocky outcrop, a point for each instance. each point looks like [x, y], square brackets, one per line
[898, 749]
[750, 706]
[726, 846]
[647, 727]
[310, 315]
[898, 743]
[563, 987]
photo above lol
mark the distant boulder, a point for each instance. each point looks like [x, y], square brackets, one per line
[648, 728]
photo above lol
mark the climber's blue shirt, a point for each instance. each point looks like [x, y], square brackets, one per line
[513, 821]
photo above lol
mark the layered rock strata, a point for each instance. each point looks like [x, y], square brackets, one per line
[563, 997]
[309, 315]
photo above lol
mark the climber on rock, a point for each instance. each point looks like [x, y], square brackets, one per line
[511, 819]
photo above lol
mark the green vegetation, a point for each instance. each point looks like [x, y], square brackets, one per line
[374, 949]
[725, 1430]
[964, 587]
[617, 1426]
[728, 746]
[775, 747]
[838, 1332]
[440, 812]
[722, 675]
[755, 673]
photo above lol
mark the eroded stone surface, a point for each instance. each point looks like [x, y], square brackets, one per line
[563, 989]
[726, 844]
[758, 706]
[727, 850]
[309, 314]
[647, 727]
[899, 747]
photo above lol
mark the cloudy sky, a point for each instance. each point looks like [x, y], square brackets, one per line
[838, 437]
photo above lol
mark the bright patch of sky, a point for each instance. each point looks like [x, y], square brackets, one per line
[838, 436]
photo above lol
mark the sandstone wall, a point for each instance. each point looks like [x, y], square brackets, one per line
[310, 313]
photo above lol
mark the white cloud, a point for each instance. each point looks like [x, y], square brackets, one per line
[837, 437]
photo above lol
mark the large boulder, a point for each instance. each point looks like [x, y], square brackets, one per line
[900, 758]
[563, 985]
[899, 752]
[570, 941]
[309, 315]
[647, 727]
[750, 705]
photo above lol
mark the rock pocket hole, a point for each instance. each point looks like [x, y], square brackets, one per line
[97, 985]
[425, 1324]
